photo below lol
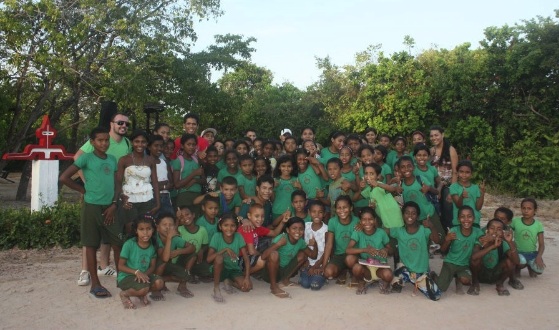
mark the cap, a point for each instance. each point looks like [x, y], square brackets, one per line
[209, 130]
[286, 131]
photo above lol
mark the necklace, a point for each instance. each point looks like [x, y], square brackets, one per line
[134, 161]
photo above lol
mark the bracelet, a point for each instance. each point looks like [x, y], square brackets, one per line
[114, 202]
[136, 272]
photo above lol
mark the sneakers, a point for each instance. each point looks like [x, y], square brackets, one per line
[109, 271]
[84, 278]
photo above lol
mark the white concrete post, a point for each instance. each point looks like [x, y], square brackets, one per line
[44, 184]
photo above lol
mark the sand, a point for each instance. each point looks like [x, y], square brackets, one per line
[39, 290]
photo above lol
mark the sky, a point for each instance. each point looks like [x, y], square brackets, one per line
[291, 34]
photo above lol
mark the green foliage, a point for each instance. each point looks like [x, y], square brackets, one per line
[57, 225]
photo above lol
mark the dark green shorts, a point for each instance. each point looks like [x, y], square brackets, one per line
[129, 282]
[199, 269]
[449, 271]
[338, 260]
[93, 228]
[175, 270]
[283, 273]
[490, 275]
[128, 216]
[227, 273]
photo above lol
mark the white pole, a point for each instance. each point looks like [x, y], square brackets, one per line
[44, 184]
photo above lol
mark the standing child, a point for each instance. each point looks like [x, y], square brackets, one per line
[136, 266]
[464, 192]
[380, 158]
[337, 139]
[164, 173]
[310, 173]
[287, 254]
[247, 179]
[227, 196]
[187, 174]
[380, 198]
[285, 184]
[224, 250]
[413, 247]
[169, 247]
[262, 167]
[399, 150]
[371, 245]
[210, 170]
[232, 166]
[459, 243]
[264, 191]
[338, 185]
[528, 234]
[429, 174]
[313, 276]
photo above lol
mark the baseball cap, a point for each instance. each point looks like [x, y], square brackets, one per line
[286, 131]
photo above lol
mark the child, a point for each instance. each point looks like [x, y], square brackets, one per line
[241, 147]
[459, 243]
[264, 191]
[164, 172]
[262, 167]
[393, 156]
[505, 215]
[338, 185]
[225, 247]
[287, 254]
[211, 170]
[247, 179]
[289, 145]
[195, 263]
[348, 170]
[428, 173]
[365, 154]
[384, 140]
[227, 196]
[256, 217]
[340, 228]
[528, 234]
[285, 184]
[268, 152]
[371, 245]
[98, 210]
[136, 265]
[169, 247]
[187, 174]
[337, 139]
[310, 173]
[299, 205]
[379, 157]
[312, 277]
[494, 258]
[353, 141]
[311, 147]
[232, 166]
[463, 192]
[380, 198]
[209, 217]
[413, 248]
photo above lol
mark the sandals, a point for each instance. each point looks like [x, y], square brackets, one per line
[282, 294]
[516, 284]
[473, 290]
[503, 292]
[100, 292]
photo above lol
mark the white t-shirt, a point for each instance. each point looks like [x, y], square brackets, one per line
[319, 236]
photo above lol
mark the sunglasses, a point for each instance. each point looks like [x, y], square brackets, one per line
[121, 123]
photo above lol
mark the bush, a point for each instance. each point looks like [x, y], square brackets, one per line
[57, 225]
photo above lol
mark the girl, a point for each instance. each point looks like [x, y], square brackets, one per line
[232, 166]
[464, 192]
[168, 148]
[187, 174]
[371, 245]
[337, 186]
[225, 246]
[286, 255]
[308, 134]
[309, 176]
[312, 277]
[417, 137]
[268, 152]
[379, 157]
[285, 184]
[134, 177]
[162, 129]
[164, 173]
[371, 136]
[137, 265]
[195, 264]
[528, 234]
[211, 170]
[445, 159]
[289, 145]
[262, 167]
[380, 198]
[246, 181]
[220, 147]
[340, 228]
[337, 139]
[413, 247]
[392, 157]
[242, 147]
[365, 155]
[169, 247]
[428, 174]
[311, 147]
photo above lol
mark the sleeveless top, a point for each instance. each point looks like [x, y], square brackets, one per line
[162, 173]
[137, 183]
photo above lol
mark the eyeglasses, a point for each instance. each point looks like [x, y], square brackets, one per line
[121, 123]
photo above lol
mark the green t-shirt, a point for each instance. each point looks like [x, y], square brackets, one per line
[136, 257]
[217, 243]
[211, 228]
[386, 206]
[326, 155]
[189, 166]
[289, 250]
[230, 206]
[177, 242]
[491, 259]
[224, 172]
[268, 217]
[377, 240]
[429, 175]
[342, 233]
[413, 248]
[220, 164]
[198, 238]
[391, 158]
[473, 194]
[310, 181]
[282, 195]
[385, 170]
[249, 185]
[99, 175]
[117, 149]
[526, 236]
[413, 193]
[461, 248]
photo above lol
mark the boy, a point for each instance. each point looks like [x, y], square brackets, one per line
[197, 235]
[494, 258]
[337, 186]
[264, 190]
[464, 192]
[246, 179]
[228, 197]
[97, 216]
[209, 218]
[459, 243]
[210, 170]
[505, 215]
[256, 217]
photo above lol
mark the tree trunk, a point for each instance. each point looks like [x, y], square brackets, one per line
[21, 194]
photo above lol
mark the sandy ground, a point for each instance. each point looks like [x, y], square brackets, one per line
[39, 290]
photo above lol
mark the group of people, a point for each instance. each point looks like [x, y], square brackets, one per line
[226, 211]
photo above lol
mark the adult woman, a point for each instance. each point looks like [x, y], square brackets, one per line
[444, 158]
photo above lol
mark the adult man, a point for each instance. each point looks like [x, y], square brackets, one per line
[118, 147]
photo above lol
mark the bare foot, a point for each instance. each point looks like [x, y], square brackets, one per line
[473, 290]
[287, 284]
[157, 296]
[183, 290]
[228, 288]
[145, 300]
[532, 273]
[384, 288]
[361, 288]
[280, 293]
[165, 289]
[218, 298]
[126, 302]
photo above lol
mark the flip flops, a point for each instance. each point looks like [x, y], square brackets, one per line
[100, 292]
